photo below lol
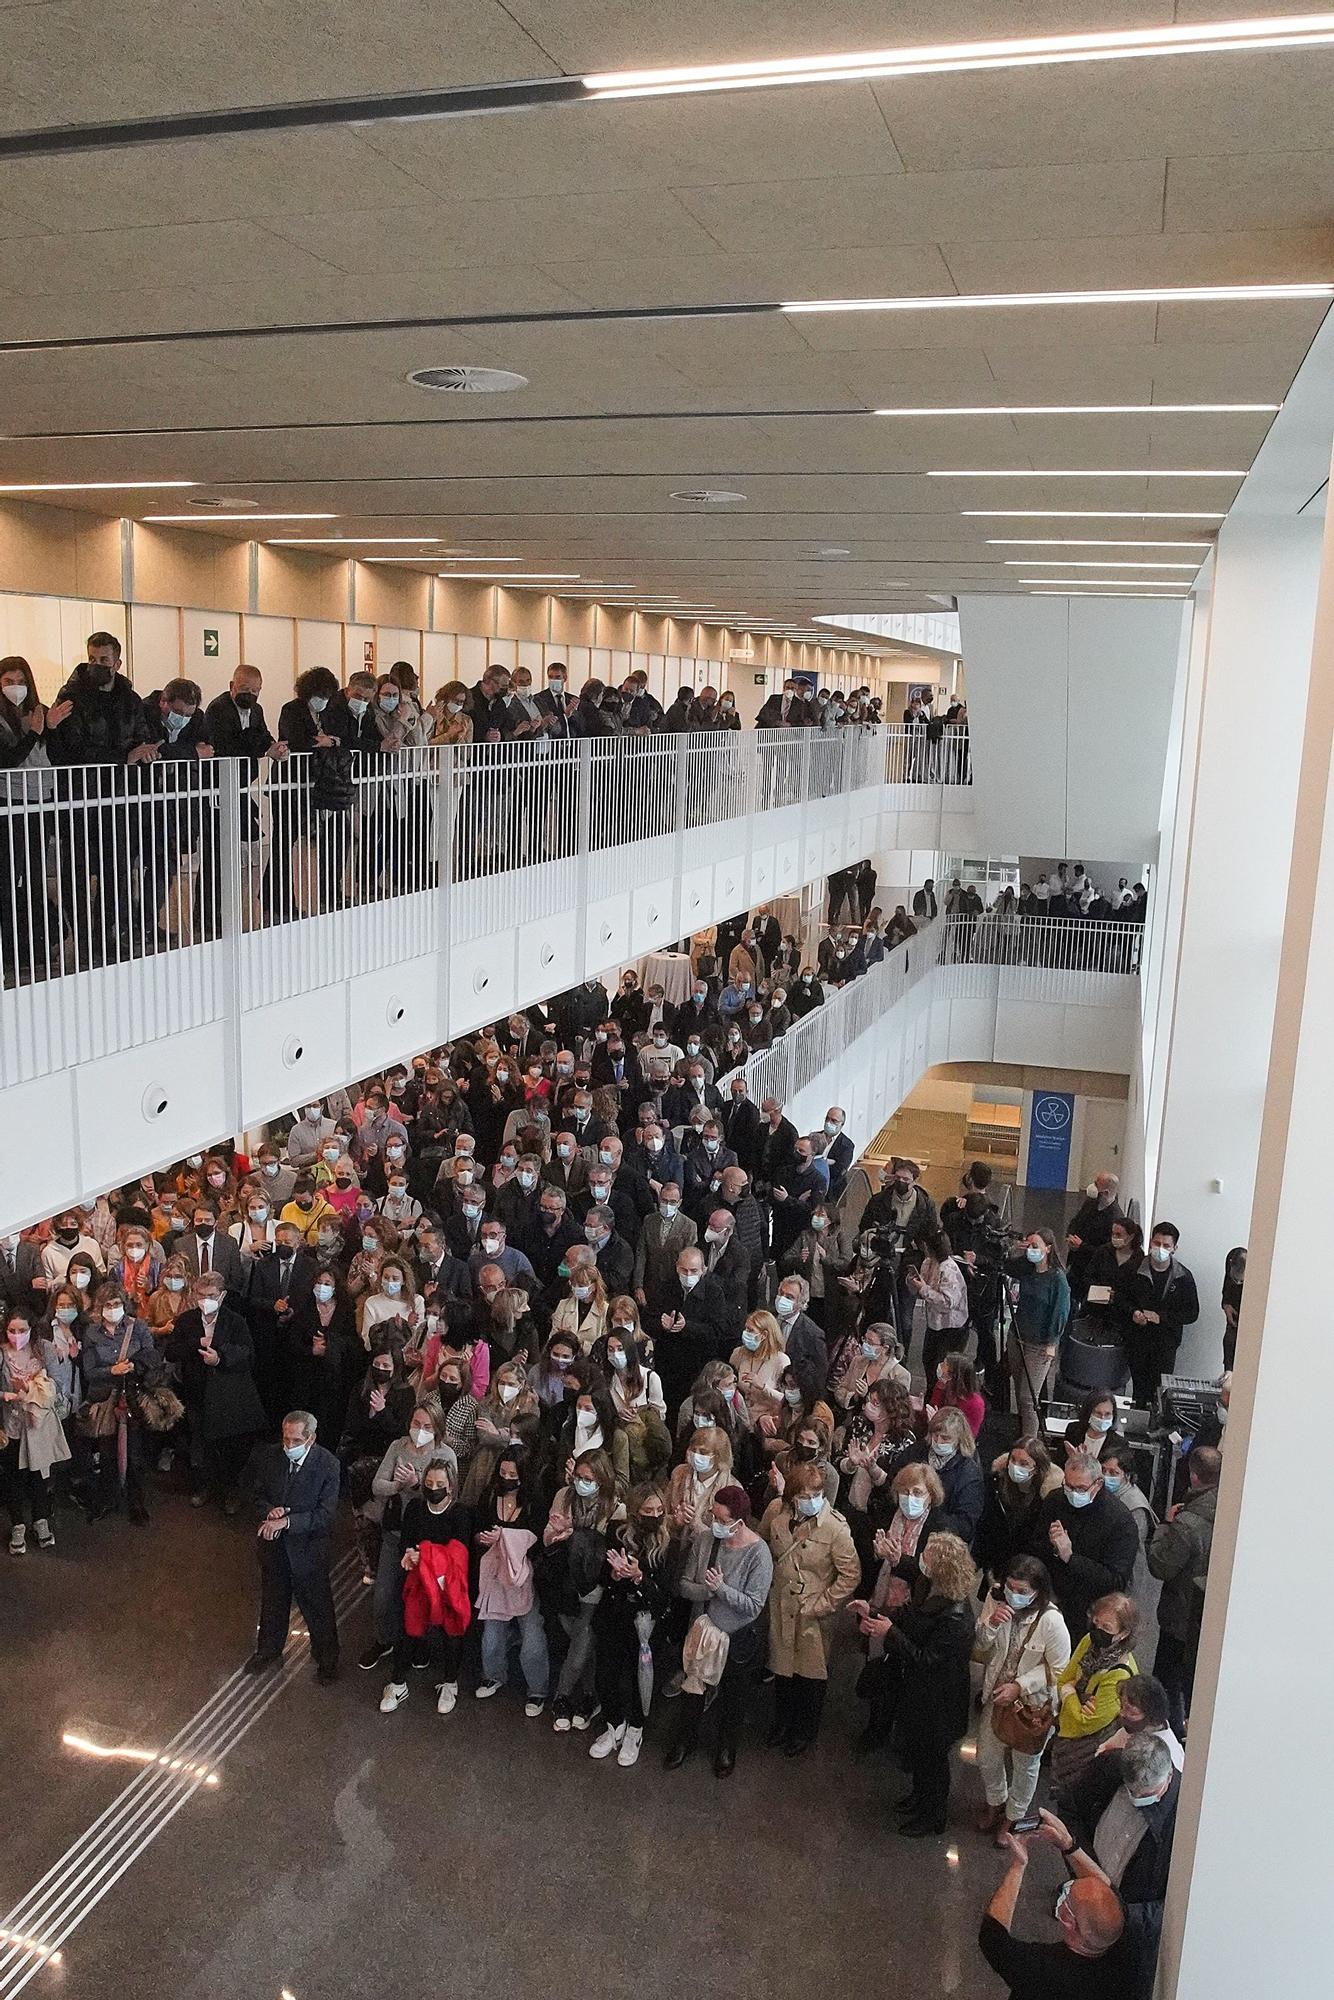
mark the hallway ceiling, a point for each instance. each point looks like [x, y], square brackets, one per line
[1189, 171]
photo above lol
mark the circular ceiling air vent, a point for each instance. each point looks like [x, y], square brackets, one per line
[707, 496]
[468, 381]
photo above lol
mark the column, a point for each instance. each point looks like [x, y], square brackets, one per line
[1215, 936]
[1249, 1908]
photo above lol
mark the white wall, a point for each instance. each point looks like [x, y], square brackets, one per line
[1069, 703]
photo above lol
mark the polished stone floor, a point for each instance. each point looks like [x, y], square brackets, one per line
[344, 1854]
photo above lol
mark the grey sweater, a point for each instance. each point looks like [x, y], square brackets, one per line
[747, 1575]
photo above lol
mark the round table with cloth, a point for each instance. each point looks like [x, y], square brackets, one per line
[669, 969]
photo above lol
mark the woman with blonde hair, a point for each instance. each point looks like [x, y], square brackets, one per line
[395, 1297]
[707, 1466]
[636, 1393]
[575, 1538]
[582, 1313]
[450, 721]
[166, 1304]
[929, 1644]
[816, 1571]
[759, 1360]
[507, 1419]
[137, 1267]
[952, 1450]
[868, 1357]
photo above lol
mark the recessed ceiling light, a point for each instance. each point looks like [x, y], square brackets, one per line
[1029, 51]
[707, 496]
[1080, 562]
[833, 552]
[1082, 514]
[1047, 472]
[1070, 542]
[99, 486]
[348, 541]
[1110, 582]
[467, 381]
[1000, 301]
[519, 576]
[1080, 410]
[195, 519]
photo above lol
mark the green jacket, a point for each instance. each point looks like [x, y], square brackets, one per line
[1179, 1555]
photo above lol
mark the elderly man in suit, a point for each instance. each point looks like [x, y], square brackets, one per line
[296, 1483]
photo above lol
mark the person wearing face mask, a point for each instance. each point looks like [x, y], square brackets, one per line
[322, 1353]
[1091, 1961]
[137, 1268]
[1178, 1556]
[318, 723]
[437, 1534]
[1119, 1477]
[1041, 1314]
[1116, 1827]
[581, 1310]
[692, 1327]
[876, 1442]
[928, 1645]
[726, 1580]
[69, 1238]
[816, 1571]
[952, 1451]
[1024, 1648]
[1144, 1710]
[208, 1249]
[395, 1301]
[592, 1425]
[491, 1247]
[1020, 1480]
[665, 1234]
[915, 1501]
[1089, 1689]
[759, 1364]
[636, 1392]
[97, 719]
[379, 1127]
[29, 927]
[1094, 1430]
[32, 1439]
[705, 1467]
[506, 1535]
[1090, 1228]
[179, 730]
[508, 1419]
[1163, 1302]
[118, 1357]
[644, 1560]
[871, 1355]
[575, 1539]
[378, 1410]
[310, 1133]
[1087, 1538]
[450, 720]
[211, 1354]
[255, 1231]
[956, 1387]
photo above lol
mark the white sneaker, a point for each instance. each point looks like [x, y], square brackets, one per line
[628, 1753]
[609, 1740]
[18, 1541]
[533, 1708]
[561, 1724]
[486, 1690]
[449, 1694]
[45, 1539]
[582, 1721]
[394, 1696]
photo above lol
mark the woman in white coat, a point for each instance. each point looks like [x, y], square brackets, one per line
[1023, 1645]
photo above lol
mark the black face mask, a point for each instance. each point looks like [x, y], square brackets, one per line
[204, 1229]
[436, 1496]
[244, 701]
[68, 1237]
[508, 1485]
[382, 1377]
[102, 678]
[449, 1393]
[1101, 1638]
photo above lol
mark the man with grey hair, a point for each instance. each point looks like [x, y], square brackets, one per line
[1119, 1817]
[1090, 1229]
[1088, 1539]
[296, 1484]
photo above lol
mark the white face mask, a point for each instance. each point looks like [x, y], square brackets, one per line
[509, 1392]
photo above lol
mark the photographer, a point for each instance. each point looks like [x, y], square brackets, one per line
[1090, 1962]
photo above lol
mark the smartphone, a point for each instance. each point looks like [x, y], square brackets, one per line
[1028, 1824]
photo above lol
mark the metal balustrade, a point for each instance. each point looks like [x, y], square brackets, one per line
[1055, 944]
[136, 904]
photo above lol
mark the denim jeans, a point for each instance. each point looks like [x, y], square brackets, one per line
[496, 1634]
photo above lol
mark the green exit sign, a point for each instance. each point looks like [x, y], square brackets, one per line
[211, 647]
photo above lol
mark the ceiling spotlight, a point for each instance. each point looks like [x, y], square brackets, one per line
[707, 496]
[467, 381]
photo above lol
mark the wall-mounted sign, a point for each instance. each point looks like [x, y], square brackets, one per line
[1050, 1123]
[211, 646]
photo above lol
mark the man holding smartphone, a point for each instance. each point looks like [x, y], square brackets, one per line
[1090, 1961]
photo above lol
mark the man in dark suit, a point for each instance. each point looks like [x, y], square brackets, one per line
[279, 1280]
[615, 1258]
[741, 1123]
[20, 1263]
[788, 710]
[726, 1260]
[840, 1151]
[693, 1326]
[296, 1483]
[205, 1248]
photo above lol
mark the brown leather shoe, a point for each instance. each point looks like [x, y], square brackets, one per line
[990, 1819]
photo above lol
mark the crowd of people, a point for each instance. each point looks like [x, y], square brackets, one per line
[110, 799]
[615, 1374]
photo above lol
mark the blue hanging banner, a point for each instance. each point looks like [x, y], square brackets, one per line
[1051, 1120]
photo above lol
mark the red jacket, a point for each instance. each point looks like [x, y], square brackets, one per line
[436, 1591]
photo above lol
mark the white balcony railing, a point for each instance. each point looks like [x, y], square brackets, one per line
[138, 905]
[1043, 944]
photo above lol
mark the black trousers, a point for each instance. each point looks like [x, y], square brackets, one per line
[280, 1580]
[728, 1710]
[1174, 1667]
[27, 1494]
[108, 1475]
[798, 1706]
[444, 1652]
[929, 1763]
[937, 1342]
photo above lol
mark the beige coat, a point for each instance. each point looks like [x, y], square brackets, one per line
[816, 1570]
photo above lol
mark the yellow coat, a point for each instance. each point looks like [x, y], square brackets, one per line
[1104, 1695]
[816, 1571]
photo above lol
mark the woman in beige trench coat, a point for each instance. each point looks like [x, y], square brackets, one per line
[816, 1571]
